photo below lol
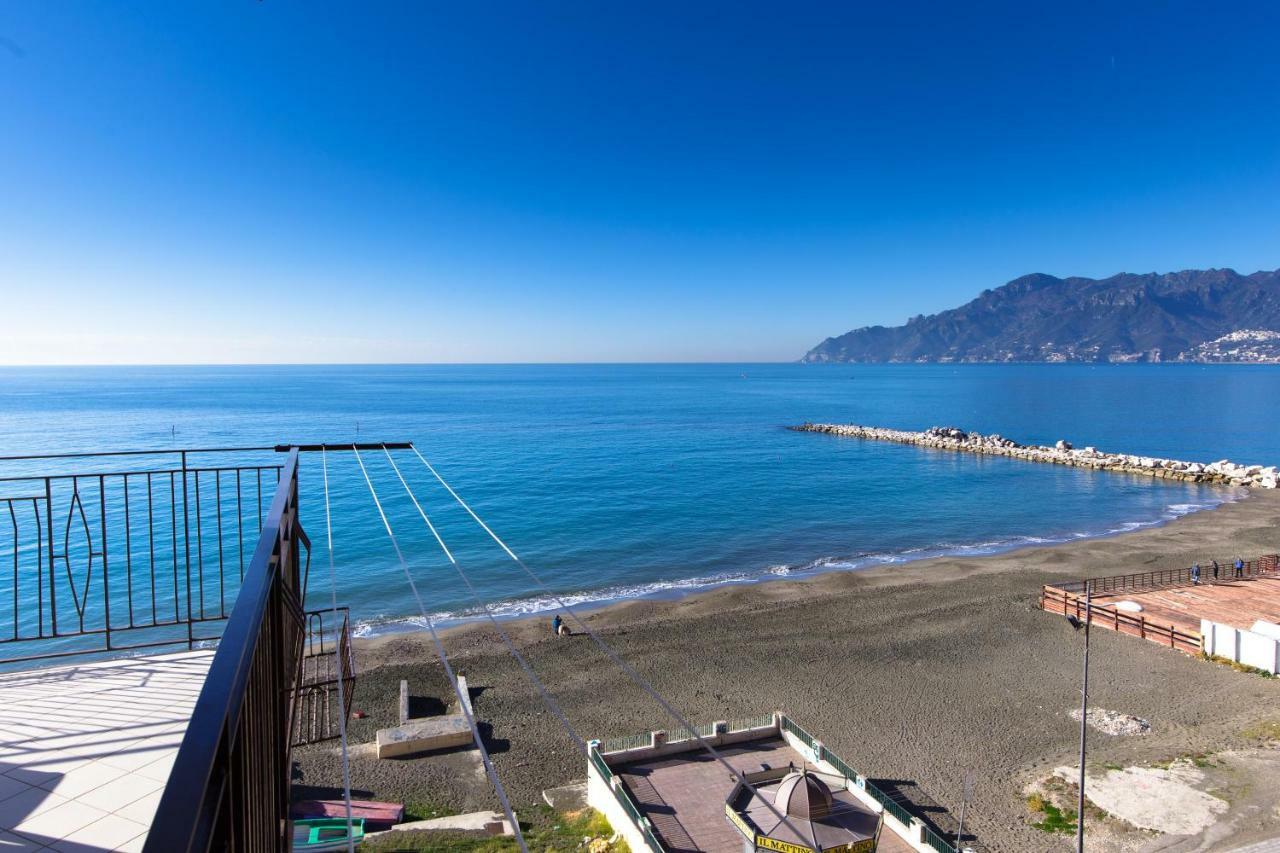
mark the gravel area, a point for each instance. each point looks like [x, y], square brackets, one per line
[914, 673]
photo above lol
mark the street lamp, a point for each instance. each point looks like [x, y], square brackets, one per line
[1076, 624]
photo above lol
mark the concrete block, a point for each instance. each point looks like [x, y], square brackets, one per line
[424, 735]
[567, 798]
[475, 823]
[465, 693]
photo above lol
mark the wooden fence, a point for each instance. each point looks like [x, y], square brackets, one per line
[1057, 600]
[1265, 566]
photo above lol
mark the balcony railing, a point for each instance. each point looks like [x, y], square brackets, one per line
[229, 788]
[107, 560]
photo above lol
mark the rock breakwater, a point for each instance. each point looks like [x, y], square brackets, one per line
[1223, 472]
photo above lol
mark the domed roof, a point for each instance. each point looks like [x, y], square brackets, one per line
[802, 795]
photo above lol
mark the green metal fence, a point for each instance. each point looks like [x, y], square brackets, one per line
[890, 805]
[936, 841]
[629, 806]
[790, 726]
[760, 722]
[704, 731]
[618, 744]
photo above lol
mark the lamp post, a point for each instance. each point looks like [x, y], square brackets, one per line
[1084, 707]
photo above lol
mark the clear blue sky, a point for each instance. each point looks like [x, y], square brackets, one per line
[286, 181]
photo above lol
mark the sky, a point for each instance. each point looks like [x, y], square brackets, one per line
[245, 182]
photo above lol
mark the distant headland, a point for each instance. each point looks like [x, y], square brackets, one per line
[1200, 316]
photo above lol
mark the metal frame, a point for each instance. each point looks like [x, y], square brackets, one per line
[120, 560]
[229, 788]
[230, 784]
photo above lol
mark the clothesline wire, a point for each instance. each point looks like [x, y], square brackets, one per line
[444, 661]
[547, 698]
[609, 651]
[342, 707]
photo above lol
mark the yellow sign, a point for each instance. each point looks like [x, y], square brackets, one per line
[764, 842]
[867, 845]
[739, 822]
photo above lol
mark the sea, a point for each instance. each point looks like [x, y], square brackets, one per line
[615, 482]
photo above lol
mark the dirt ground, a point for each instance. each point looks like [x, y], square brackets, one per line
[913, 673]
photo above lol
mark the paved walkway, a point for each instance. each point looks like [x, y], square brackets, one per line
[684, 795]
[86, 749]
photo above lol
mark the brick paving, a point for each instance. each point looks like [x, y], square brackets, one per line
[684, 795]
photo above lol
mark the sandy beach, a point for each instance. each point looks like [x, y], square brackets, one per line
[913, 672]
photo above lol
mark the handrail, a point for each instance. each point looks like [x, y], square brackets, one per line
[1264, 566]
[112, 561]
[229, 787]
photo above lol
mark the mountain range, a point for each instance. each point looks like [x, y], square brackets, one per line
[1214, 315]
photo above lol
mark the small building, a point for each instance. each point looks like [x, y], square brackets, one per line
[788, 793]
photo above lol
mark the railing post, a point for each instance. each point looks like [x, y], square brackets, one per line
[186, 547]
[53, 580]
[106, 568]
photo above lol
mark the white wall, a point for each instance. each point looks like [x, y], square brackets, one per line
[1246, 647]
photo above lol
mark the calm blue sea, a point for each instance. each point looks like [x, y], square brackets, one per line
[620, 481]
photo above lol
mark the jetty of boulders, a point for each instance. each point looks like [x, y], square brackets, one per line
[1223, 472]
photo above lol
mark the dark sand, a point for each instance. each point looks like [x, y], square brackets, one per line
[911, 672]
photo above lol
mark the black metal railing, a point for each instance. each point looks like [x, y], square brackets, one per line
[327, 660]
[229, 788]
[101, 559]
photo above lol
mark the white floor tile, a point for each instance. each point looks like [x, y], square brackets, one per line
[143, 810]
[10, 786]
[104, 834]
[127, 789]
[58, 822]
[84, 779]
[10, 843]
[23, 805]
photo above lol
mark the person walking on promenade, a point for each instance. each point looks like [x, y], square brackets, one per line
[1215, 569]
[1239, 567]
[1195, 573]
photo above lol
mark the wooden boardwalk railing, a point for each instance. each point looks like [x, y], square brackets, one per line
[1264, 566]
[1068, 598]
[1056, 600]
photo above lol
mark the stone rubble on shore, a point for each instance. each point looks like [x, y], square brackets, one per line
[1222, 472]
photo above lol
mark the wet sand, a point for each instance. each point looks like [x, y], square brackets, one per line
[914, 672]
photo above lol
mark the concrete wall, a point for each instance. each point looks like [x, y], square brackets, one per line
[1247, 647]
[659, 746]
[601, 797]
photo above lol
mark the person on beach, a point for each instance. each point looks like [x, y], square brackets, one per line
[558, 627]
[1239, 567]
[1215, 569]
[1195, 573]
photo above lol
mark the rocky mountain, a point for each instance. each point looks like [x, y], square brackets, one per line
[1214, 315]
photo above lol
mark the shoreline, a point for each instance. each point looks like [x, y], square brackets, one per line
[916, 671]
[917, 570]
[540, 605]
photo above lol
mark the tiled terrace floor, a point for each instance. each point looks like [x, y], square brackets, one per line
[684, 794]
[85, 749]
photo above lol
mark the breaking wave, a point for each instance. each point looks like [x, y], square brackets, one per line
[676, 588]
